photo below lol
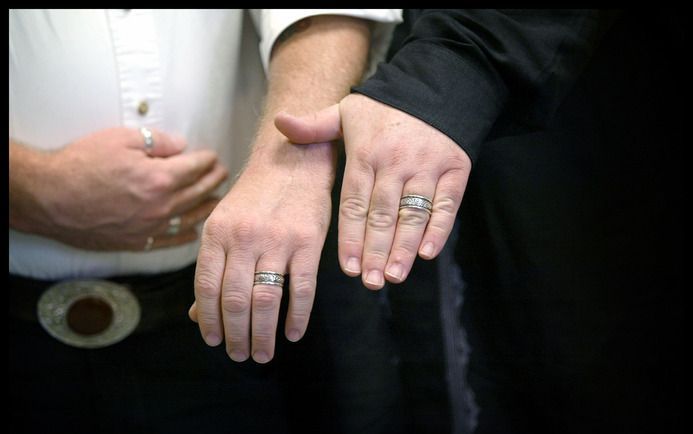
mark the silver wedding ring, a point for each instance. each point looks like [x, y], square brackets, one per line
[148, 139]
[174, 225]
[416, 201]
[150, 243]
[268, 278]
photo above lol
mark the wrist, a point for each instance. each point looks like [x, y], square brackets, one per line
[28, 184]
[272, 147]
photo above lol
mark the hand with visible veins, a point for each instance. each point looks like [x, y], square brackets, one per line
[389, 154]
[104, 192]
[276, 216]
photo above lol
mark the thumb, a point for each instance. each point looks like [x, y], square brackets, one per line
[322, 126]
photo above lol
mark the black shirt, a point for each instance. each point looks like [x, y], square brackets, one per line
[571, 228]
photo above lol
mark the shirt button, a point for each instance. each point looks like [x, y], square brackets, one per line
[143, 108]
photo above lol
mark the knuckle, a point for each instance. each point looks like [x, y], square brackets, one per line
[374, 256]
[379, 219]
[236, 337]
[404, 251]
[214, 228]
[416, 218]
[235, 302]
[265, 301]
[446, 204]
[205, 323]
[307, 237]
[303, 288]
[354, 208]
[263, 338]
[242, 232]
[160, 182]
[206, 285]
[363, 154]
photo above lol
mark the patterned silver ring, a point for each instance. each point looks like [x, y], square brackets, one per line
[148, 139]
[416, 201]
[174, 225]
[268, 278]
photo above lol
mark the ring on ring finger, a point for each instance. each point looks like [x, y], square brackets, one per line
[268, 278]
[417, 202]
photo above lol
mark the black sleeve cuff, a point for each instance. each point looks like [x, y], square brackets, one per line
[460, 100]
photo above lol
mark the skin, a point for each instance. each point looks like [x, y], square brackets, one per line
[389, 154]
[104, 192]
[276, 216]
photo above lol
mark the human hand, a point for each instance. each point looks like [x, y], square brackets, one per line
[275, 218]
[390, 154]
[104, 192]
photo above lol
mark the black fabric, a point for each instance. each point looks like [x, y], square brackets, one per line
[160, 296]
[571, 229]
[459, 69]
[342, 377]
[408, 331]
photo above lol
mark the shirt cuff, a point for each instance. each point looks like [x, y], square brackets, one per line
[446, 91]
[270, 23]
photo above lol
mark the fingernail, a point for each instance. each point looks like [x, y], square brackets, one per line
[353, 265]
[428, 249]
[261, 357]
[212, 339]
[395, 270]
[375, 278]
[293, 335]
[238, 356]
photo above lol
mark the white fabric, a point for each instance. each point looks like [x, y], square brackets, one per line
[73, 72]
[272, 22]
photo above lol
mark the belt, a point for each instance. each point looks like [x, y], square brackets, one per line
[94, 313]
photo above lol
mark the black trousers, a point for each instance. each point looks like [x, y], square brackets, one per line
[341, 377]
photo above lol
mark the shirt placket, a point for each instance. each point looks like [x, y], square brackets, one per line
[139, 72]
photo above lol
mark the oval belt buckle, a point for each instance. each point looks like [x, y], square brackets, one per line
[88, 313]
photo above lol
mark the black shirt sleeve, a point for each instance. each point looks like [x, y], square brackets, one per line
[458, 70]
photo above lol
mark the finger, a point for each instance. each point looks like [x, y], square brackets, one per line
[266, 300]
[236, 301]
[188, 220]
[380, 230]
[162, 144]
[322, 126]
[354, 202]
[196, 193]
[446, 203]
[411, 224]
[303, 270]
[192, 312]
[186, 169]
[209, 274]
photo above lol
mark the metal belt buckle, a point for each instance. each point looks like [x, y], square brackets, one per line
[88, 313]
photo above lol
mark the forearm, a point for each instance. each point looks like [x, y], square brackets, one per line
[27, 166]
[313, 66]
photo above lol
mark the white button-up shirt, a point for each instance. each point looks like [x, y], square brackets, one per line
[197, 73]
